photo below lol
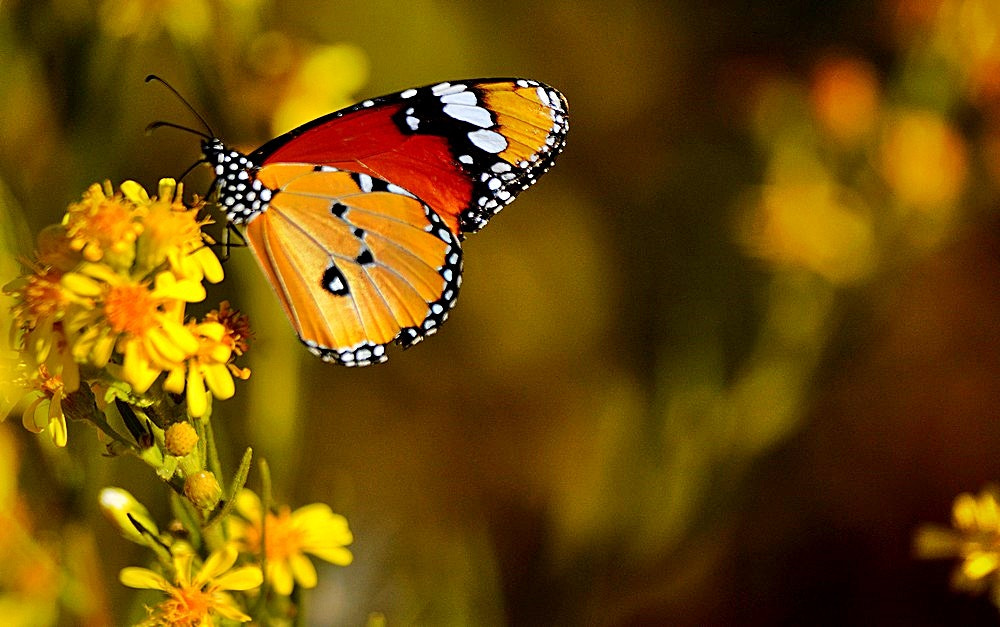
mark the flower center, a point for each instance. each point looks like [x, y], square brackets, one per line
[283, 538]
[131, 309]
[187, 606]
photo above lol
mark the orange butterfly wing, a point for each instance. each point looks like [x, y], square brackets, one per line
[356, 262]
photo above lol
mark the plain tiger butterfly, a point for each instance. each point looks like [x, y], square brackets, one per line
[357, 218]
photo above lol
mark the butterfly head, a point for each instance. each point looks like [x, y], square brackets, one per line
[241, 195]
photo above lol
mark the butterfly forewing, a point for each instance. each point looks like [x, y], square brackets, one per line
[466, 148]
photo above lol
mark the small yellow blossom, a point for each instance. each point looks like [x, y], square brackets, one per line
[104, 224]
[172, 234]
[973, 538]
[49, 392]
[196, 599]
[312, 529]
[223, 334]
[143, 324]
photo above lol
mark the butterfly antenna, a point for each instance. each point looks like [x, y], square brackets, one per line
[211, 133]
[160, 123]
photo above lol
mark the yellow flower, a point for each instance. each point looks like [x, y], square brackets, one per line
[38, 313]
[49, 392]
[143, 324]
[196, 598]
[104, 224]
[210, 369]
[172, 233]
[313, 529]
[974, 538]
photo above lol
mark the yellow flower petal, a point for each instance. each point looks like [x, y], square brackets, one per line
[187, 290]
[28, 418]
[979, 564]
[248, 505]
[217, 563]
[134, 192]
[81, 285]
[227, 609]
[57, 424]
[303, 570]
[196, 398]
[135, 577]
[280, 576]
[335, 555]
[174, 381]
[180, 335]
[219, 381]
[209, 264]
[963, 512]
[136, 367]
[245, 578]
[168, 345]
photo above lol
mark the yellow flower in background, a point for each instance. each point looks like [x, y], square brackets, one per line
[973, 538]
[814, 226]
[312, 529]
[324, 82]
[143, 323]
[196, 598]
[104, 226]
[924, 162]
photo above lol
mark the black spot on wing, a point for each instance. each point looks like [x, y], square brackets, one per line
[334, 281]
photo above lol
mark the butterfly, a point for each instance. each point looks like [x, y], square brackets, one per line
[357, 218]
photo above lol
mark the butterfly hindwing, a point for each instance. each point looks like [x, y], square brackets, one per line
[356, 262]
[466, 148]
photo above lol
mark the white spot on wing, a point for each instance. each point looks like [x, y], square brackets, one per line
[461, 98]
[365, 182]
[490, 141]
[473, 115]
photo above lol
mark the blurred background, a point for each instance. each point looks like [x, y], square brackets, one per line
[715, 368]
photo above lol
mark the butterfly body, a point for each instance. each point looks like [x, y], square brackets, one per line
[357, 217]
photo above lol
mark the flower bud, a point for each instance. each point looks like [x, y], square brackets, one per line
[203, 489]
[180, 439]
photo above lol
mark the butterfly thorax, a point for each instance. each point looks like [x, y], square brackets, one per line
[240, 193]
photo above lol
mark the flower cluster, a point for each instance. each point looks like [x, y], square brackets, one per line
[199, 591]
[106, 295]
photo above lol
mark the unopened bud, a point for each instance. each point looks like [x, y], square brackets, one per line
[203, 489]
[180, 439]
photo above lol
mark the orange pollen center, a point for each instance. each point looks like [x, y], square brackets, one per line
[131, 309]
[187, 606]
[283, 538]
[110, 222]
